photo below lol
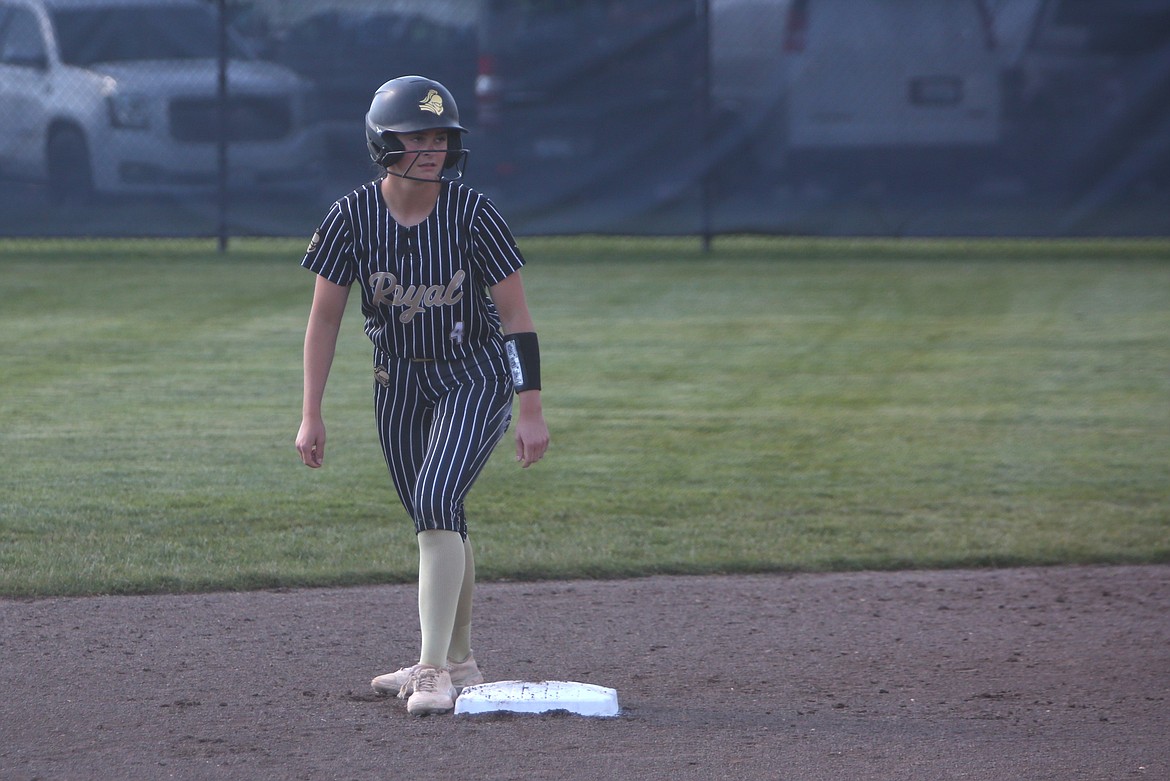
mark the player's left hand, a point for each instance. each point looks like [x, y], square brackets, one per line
[311, 442]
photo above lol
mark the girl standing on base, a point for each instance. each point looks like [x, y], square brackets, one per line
[444, 306]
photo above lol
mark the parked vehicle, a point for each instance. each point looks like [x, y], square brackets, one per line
[869, 79]
[1090, 97]
[347, 53]
[573, 93]
[1083, 56]
[121, 96]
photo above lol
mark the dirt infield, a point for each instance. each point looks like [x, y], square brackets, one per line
[1059, 673]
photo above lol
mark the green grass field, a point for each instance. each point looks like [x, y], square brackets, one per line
[774, 405]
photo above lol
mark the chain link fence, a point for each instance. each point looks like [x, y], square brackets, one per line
[836, 117]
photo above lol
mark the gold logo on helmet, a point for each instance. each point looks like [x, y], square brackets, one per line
[433, 102]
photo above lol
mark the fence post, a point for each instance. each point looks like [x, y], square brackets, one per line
[222, 130]
[704, 11]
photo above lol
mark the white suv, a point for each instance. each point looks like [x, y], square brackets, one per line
[121, 96]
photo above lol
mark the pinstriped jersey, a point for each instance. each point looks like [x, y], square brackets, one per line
[424, 288]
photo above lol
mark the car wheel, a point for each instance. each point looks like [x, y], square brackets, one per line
[69, 167]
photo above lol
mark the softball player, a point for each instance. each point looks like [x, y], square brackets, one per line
[444, 306]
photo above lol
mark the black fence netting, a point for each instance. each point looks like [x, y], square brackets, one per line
[844, 117]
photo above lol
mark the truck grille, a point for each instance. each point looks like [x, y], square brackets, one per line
[196, 120]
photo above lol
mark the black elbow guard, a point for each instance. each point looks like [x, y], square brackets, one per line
[523, 353]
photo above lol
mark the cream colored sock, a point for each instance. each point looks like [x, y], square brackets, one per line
[461, 637]
[441, 563]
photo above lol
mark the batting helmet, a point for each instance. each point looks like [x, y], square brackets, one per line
[409, 104]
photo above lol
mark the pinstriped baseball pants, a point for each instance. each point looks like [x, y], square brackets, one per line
[438, 422]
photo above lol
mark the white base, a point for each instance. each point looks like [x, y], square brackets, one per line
[583, 699]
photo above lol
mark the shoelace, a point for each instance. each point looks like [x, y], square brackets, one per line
[424, 680]
[407, 685]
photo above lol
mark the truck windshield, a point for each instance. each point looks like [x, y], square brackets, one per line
[90, 35]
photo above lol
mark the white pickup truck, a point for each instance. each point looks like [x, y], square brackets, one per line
[121, 96]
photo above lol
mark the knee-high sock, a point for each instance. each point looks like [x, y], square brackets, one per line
[461, 637]
[441, 561]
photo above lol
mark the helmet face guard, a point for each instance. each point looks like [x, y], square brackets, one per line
[410, 104]
[390, 150]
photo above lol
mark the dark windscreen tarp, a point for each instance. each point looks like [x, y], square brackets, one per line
[836, 117]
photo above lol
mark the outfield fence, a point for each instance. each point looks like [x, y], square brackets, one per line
[665, 117]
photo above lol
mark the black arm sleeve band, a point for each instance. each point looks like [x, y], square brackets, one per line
[523, 353]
